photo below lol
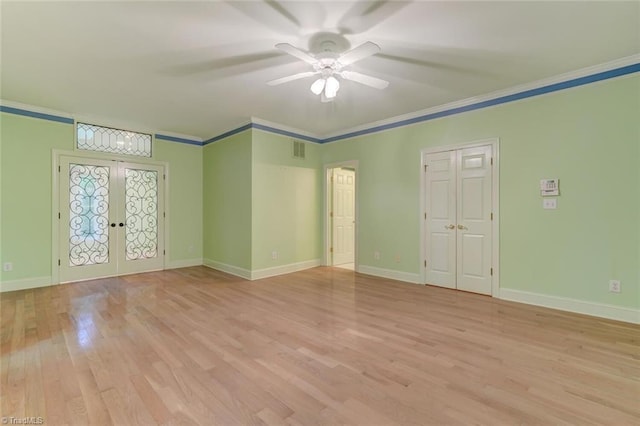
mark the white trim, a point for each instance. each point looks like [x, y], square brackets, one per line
[25, 284]
[495, 206]
[584, 72]
[278, 126]
[34, 108]
[177, 135]
[229, 269]
[326, 208]
[284, 269]
[183, 263]
[391, 274]
[572, 305]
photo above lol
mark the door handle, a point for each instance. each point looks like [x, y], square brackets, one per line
[121, 224]
[113, 225]
[450, 227]
[462, 227]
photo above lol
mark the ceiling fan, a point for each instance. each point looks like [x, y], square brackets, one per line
[328, 65]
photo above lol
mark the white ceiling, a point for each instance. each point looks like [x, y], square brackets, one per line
[199, 68]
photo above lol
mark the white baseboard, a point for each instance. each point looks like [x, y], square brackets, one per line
[390, 273]
[578, 306]
[284, 269]
[25, 284]
[229, 269]
[184, 263]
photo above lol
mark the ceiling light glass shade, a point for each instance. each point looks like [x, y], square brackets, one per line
[317, 86]
[331, 87]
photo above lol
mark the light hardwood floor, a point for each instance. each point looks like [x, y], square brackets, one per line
[323, 346]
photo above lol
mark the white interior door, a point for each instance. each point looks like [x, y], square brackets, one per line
[441, 219]
[111, 218]
[474, 220]
[458, 202]
[344, 185]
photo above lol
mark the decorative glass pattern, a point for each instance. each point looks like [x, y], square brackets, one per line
[116, 141]
[141, 214]
[88, 215]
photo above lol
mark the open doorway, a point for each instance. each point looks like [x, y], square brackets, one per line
[340, 217]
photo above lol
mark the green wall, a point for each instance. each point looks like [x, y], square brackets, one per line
[185, 200]
[259, 199]
[26, 192]
[237, 200]
[227, 201]
[287, 202]
[26, 200]
[588, 137]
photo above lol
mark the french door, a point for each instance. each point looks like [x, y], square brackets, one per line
[458, 198]
[111, 218]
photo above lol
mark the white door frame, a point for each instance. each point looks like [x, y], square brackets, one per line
[55, 199]
[495, 207]
[326, 202]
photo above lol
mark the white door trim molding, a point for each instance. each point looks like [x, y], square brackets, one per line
[55, 199]
[495, 205]
[326, 206]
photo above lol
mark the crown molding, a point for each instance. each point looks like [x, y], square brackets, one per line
[512, 94]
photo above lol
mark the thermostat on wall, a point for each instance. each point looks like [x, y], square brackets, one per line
[549, 187]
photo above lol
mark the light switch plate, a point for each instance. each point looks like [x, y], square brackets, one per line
[549, 203]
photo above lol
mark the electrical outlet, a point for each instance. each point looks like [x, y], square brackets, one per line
[7, 267]
[376, 255]
[614, 286]
[274, 255]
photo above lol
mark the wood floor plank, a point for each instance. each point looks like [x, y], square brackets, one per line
[323, 346]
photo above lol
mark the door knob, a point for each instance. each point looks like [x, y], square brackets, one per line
[113, 225]
[450, 227]
[462, 227]
[121, 224]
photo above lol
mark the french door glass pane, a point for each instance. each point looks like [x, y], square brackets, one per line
[141, 214]
[88, 215]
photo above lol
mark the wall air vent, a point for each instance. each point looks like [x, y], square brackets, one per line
[298, 149]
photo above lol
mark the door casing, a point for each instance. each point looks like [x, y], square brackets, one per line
[327, 201]
[495, 188]
[55, 199]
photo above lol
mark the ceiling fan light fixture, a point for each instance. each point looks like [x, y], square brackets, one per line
[331, 87]
[318, 86]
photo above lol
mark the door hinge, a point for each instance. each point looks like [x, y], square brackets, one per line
[491, 215]
[164, 252]
[164, 214]
[58, 169]
[58, 262]
[492, 161]
[164, 177]
[425, 167]
[331, 250]
[330, 214]
[58, 215]
[425, 263]
[491, 271]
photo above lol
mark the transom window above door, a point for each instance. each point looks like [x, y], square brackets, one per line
[90, 137]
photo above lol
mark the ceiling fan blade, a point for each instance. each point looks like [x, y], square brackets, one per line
[294, 51]
[357, 53]
[292, 78]
[367, 80]
[365, 15]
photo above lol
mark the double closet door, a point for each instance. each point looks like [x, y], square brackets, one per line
[111, 218]
[459, 219]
